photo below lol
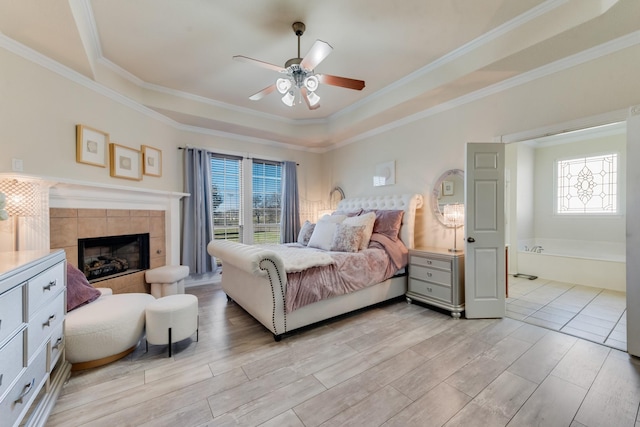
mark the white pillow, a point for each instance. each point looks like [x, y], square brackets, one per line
[367, 220]
[324, 230]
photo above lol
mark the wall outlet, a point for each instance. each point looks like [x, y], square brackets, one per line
[17, 165]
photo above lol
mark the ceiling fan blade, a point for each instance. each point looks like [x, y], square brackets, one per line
[348, 83]
[316, 54]
[264, 92]
[259, 63]
[305, 96]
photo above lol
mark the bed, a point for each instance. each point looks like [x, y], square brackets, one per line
[256, 277]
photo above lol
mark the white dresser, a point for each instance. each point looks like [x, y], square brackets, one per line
[32, 310]
[436, 277]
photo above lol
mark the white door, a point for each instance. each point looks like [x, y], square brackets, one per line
[485, 268]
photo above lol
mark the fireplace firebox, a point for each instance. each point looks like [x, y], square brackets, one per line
[102, 258]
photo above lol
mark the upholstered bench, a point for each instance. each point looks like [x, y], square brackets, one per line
[167, 280]
[105, 330]
[171, 319]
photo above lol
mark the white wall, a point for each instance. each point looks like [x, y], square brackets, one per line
[602, 228]
[427, 147]
[39, 110]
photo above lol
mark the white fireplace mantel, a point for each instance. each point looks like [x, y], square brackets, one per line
[72, 194]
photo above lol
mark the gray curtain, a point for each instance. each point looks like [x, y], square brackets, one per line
[197, 225]
[290, 221]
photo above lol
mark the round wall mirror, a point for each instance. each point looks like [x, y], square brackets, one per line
[448, 189]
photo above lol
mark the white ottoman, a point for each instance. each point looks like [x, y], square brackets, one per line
[171, 319]
[104, 330]
[167, 280]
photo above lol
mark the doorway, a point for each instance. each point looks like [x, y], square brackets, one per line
[576, 259]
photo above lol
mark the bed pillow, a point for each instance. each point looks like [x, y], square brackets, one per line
[322, 235]
[305, 233]
[348, 213]
[366, 220]
[79, 291]
[347, 238]
[388, 222]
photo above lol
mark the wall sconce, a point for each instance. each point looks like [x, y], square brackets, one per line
[23, 199]
[454, 215]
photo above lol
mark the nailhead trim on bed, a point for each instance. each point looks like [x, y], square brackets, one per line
[273, 296]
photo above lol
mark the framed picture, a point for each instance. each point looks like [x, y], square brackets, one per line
[385, 174]
[91, 146]
[447, 188]
[125, 162]
[151, 161]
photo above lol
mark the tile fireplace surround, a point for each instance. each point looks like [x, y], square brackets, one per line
[69, 225]
[79, 210]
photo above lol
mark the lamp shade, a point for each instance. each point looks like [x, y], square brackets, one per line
[454, 214]
[22, 197]
[283, 85]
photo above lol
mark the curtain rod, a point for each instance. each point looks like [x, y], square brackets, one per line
[209, 151]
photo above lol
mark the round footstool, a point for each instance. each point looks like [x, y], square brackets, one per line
[166, 280]
[171, 319]
[104, 330]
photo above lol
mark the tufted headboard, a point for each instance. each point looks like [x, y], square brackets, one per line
[406, 202]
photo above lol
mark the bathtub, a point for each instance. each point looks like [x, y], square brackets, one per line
[597, 264]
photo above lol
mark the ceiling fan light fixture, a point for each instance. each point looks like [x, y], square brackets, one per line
[311, 83]
[283, 85]
[288, 99]
[313, 99]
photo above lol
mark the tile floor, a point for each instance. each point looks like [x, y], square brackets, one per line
[595, 314]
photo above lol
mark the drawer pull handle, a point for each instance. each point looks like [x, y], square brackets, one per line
[429, 274]
[48, 322]
[27, 389]
[1, 375]
[49, 286]
[57, 344]
[429, 290]
[429, 262]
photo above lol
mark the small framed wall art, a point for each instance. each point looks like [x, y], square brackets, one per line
[385, 174]
[125, 162]
[91, 146]
[152, 161]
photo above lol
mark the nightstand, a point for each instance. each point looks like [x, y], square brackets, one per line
[436, 277]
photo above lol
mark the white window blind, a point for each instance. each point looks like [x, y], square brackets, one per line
[226, 192]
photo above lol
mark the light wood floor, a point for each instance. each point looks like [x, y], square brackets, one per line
[397, 365]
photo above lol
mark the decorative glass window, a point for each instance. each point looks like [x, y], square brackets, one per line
[588, 185]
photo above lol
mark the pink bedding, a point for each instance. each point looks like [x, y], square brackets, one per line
[349, 273]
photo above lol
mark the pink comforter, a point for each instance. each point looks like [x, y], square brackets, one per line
[349, 273]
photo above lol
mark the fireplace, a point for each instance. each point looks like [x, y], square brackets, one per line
[102, 258]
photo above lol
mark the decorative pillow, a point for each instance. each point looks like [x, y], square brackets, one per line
[79, 291]
[367, 220]
[347, 238]
[322, 235]
[305, 233]
[388, 222]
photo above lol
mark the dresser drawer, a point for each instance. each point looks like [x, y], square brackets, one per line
[44, 322]
[56, 346]
[430, 290]
[11, 313]
[431, 275]
[44, 286]
[12, 357]
[430, 262]
[19, 397]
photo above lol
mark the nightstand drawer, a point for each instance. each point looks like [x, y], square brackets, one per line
[11, 313]
[430, 275]
[45, 286]
[430, 290]
[429, 262]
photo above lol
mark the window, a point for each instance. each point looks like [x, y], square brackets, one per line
[260, 223]
[226, 195]
[588, 185]
[267, 191]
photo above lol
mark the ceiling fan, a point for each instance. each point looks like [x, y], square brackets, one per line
[300, 75]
